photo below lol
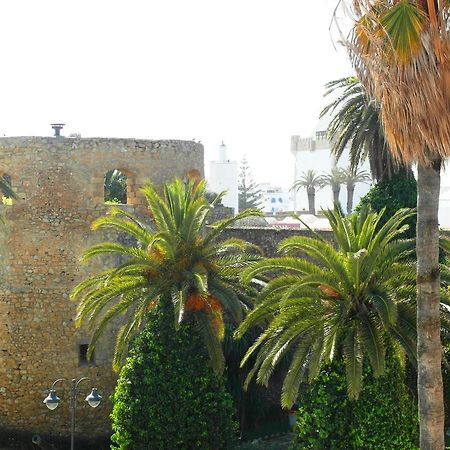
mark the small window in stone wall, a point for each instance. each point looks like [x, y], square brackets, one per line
[115, 187]
[6, 189]
[83, 357]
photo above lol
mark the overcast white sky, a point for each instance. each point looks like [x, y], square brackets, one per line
[249, 72]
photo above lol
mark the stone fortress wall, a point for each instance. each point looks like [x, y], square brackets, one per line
[60, 183]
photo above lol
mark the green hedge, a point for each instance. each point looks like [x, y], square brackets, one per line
[383, 418]
[398, 192]
[167, 396]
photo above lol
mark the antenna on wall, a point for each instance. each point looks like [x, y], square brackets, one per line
[57, 127]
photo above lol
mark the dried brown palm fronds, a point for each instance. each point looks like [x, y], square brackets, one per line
[406, 68]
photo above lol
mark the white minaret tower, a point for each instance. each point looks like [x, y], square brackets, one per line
[223, 176]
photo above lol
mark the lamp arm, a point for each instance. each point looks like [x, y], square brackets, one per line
[57, 381]
[79, 381]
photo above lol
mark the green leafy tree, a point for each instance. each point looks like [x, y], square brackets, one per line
[167, 397]
[350, 298]
[383, 418]
[350, 177]
[356, 125]
[179, 263]
[311, 182]
[250, 196]
[399, 50]
[334, 179]
[400, 191]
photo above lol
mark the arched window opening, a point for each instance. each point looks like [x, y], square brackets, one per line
[115, 187]
[6, 189]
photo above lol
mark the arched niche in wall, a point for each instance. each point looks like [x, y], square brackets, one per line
[5, 189]
[118, 187]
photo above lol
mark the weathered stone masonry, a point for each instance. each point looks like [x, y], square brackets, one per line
[60, 182]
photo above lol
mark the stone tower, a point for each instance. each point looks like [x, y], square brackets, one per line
[60, 184]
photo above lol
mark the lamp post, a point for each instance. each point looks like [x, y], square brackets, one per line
[52, 401]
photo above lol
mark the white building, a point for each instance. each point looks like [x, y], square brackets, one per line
[314, 153]
[223, 176]
[275, 199]
[444, 198]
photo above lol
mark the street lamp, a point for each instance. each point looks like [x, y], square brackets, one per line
[52, 401]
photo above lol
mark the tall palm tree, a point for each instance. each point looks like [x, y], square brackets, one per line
[311, 182]
[349, 300]
[356, 125]
[334, 179]
[400, 50]
[178, 264]
[350, 177]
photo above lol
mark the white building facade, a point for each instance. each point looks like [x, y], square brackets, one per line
[275, 199]
[314, 153]
[223, 176]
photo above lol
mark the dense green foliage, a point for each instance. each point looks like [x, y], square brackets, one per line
[393, 194]
[383, 418]
[168, 397]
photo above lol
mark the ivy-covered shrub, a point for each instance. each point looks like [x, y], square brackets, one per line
[167, 396]
[383, 418]
[393, 194]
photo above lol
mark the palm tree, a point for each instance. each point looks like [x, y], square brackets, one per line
[334, 180]
[311, 182]
[350, 177]
[400, 52]
[349, 300]
[179, 265]
[356, 125]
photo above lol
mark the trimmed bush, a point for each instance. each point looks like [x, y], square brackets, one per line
[383, 418]
[167, 396]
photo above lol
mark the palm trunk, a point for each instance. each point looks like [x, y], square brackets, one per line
[350, 193]
[336, 191]
[312, 201]
[429, 382]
